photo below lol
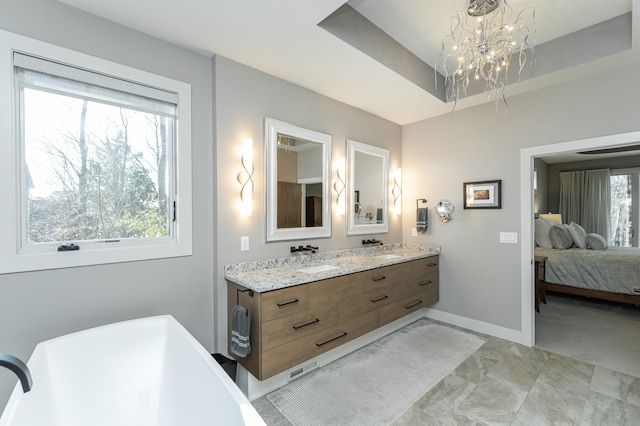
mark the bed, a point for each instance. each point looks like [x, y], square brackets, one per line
[612, 274]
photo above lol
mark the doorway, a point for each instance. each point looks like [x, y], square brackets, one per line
[527, 156]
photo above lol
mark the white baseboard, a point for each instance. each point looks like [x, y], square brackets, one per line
[471, 324]
[255, 388]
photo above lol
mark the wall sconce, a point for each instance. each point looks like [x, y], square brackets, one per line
[339, 186]
[245, 177]
[396, 192]
[445, 209]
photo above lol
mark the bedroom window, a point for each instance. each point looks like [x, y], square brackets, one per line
[624, 210]
[102, 162]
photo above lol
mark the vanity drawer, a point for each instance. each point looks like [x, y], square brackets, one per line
[279, 303]
[371, 300]
[423, 283]
[285, 329]
[407, 305]
[394, 273]
[300, 350]
[333, 290]
[431, 264]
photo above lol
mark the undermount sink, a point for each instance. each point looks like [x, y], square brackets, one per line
[387, 256]
[318, 268]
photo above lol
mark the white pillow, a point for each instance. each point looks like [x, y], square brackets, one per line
[560, 237]
[547, 220]
[596, 242]
[542, 227]
[578, 234]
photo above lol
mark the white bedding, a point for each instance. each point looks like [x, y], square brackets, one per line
[616, 269]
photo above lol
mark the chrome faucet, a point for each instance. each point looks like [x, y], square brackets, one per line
[19, 368]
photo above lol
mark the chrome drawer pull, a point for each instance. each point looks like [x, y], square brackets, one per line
[432, 264]
[380, 278]
[288, 303]
[413, 304]
[344, 333]
[426, 282]
[296, 327]
[379, 298]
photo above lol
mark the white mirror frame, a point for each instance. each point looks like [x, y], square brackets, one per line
[370, 228]
[272, 129]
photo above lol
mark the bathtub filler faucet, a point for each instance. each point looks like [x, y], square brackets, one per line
[19, 368]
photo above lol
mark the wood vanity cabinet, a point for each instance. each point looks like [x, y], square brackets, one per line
[294, 324]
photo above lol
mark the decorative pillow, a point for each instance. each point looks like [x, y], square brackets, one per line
[578, 234]
[547, 220]
[560, 237]
[596, 242]
[542, 227]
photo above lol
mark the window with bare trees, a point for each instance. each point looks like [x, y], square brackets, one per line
[623, 213]
[97, 161]
[100, 160]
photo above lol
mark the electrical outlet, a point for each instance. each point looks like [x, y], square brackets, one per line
[414, 232]
[244, 243]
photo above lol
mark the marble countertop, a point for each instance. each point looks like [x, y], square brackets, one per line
[274, 274]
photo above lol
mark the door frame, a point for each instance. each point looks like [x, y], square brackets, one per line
[527, 156]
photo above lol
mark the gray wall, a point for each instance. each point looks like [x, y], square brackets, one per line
[480, 278]
[244, 97]
[36, 306]
[541, 196]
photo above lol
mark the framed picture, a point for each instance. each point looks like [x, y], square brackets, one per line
[483, 195]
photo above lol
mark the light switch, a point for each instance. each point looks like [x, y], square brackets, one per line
[414, 232]
[509, 237]
[244, 243]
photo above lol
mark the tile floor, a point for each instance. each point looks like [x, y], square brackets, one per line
[504, 383]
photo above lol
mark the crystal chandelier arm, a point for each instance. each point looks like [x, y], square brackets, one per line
[482, 46]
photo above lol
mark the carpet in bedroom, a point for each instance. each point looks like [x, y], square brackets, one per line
[376, 384]
[598, 332]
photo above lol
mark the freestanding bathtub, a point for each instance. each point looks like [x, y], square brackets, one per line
[149, 371]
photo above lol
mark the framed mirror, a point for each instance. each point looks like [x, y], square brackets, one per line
[297, 180]
[367, 180]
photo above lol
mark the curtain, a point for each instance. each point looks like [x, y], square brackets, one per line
[596, 202]
[570, 196]
[585, 198]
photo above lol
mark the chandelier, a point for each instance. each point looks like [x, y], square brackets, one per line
[482, 45]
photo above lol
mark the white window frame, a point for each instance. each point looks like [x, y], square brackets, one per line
[12, 258]
[635, 200]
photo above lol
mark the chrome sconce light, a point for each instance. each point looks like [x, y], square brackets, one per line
[445, 209]
[396, 191]
[245, 178]
[339, 186]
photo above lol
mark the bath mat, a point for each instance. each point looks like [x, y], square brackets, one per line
[377, 383]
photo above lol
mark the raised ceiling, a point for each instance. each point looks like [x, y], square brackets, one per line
[283, 38]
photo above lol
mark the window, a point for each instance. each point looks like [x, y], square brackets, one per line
[101, 160]
[624, 207]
